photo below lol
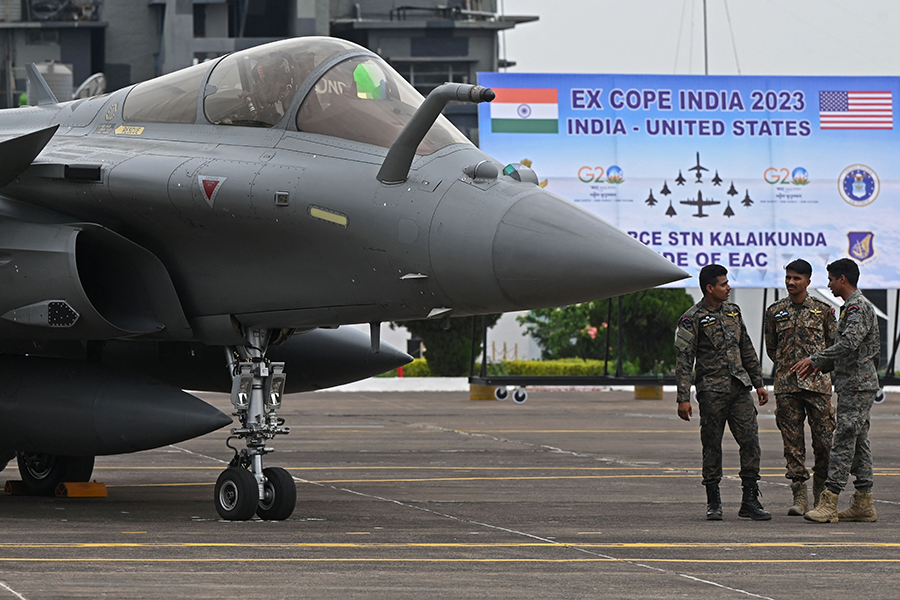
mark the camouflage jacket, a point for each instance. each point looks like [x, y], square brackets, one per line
[794, 332]
[717, 340]
[854, 355]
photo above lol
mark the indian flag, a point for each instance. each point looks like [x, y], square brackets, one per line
[525, 110]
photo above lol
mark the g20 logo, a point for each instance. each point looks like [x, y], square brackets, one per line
[798, 176]
[613, 174]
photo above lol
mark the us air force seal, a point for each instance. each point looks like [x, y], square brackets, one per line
[858, 185]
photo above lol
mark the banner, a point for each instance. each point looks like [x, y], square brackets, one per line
[748, 172]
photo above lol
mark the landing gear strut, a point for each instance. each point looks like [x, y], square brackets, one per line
[245, 487]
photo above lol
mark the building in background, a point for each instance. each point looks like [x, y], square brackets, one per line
[133, 40]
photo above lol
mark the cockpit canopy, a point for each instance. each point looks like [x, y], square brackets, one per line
[360, 99]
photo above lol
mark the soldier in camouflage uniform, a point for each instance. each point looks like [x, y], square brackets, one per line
[712, 334]
[854, 359]
[796, 327]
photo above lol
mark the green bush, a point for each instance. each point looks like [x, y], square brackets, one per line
[417, 368]
[561, 367]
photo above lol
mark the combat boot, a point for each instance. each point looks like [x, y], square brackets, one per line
[826, 510]
[818, 486]
[862, 508]
[750, 505]
[713, 503]
[801, 502]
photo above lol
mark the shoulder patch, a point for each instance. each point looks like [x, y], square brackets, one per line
[686, 323]
[853, 308]
[832, 311]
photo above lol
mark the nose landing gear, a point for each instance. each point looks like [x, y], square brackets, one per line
[245, 487]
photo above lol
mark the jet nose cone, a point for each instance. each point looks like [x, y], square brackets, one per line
[549, 252]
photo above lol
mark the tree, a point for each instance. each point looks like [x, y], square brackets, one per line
[580, 330]
[448, 344]
[567, 331]
[649, 318]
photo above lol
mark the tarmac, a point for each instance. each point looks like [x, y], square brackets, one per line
[432, 495]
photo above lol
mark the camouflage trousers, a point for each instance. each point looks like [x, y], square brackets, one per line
[791, 410]
[735, 408]
[850, 453]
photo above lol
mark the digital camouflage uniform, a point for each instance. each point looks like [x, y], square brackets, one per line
[727, 367]
[793, 332]
[854, 360]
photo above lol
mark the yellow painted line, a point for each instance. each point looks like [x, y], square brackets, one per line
[452, 560]
[878, 470]
[375, 545]
[672, 475]
[694, 431]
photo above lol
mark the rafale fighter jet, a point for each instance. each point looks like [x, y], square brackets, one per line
[210, 229]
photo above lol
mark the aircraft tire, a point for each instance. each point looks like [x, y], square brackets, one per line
[281, 495]
[42, 473]
[237, 494]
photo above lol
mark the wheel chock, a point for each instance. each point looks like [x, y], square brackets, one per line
[15, 487]
[481, 392]
[81, 489]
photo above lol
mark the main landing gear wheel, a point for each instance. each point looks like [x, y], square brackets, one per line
[280, 493]
[237, 494]
[42, 473]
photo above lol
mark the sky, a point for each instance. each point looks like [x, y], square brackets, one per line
[749, 37]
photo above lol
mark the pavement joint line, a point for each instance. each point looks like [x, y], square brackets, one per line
[532, 536]
[12, 591]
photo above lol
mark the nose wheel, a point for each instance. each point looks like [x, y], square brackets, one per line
[245, 488]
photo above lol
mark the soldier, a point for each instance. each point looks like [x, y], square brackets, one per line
[854, 359]
[713, 332]
[796, 327]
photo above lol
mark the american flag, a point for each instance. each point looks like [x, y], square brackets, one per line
[856, 110]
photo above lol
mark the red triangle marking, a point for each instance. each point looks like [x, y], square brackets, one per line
[209, 187]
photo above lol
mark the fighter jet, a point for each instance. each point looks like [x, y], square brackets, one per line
[671, 210]
[700, 203]
[717, 180]
[728, 212]
[680, 179]
[650, 199]
[731, 191]
[665, 191]
[747, 201]
[698, 170]
[209, 229]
